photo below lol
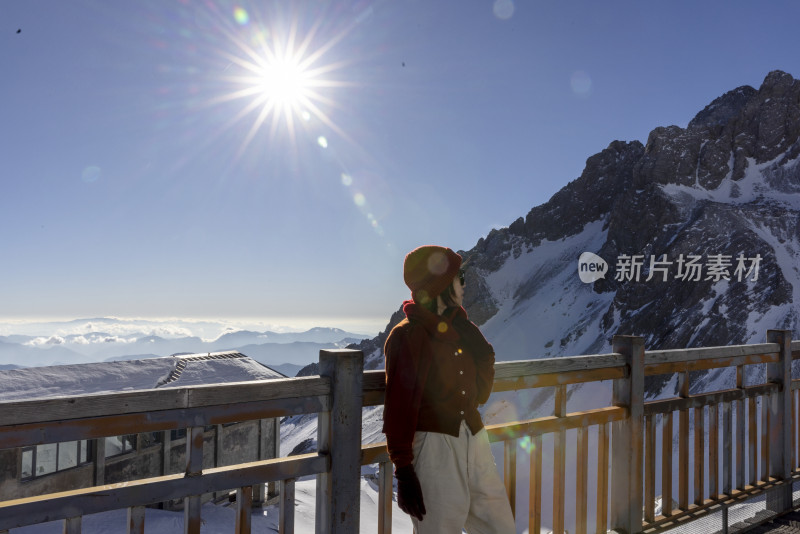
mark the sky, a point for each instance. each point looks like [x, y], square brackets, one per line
[273, 160]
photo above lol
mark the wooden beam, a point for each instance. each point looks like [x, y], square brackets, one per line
[707, 399]
[23, 435]
[544, 366]
[726, 356]
[558, 379]
[156, 400]
[53, 506]
[551, 424]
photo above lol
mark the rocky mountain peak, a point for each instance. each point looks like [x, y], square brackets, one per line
[723, 192]
[724, 108]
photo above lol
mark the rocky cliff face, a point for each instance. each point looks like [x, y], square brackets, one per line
[724, 191]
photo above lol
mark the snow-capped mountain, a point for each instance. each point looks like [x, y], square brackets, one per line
[723, 193]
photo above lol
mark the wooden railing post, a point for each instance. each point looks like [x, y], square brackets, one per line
[626, 439]
[780, 430]
[194, 467]
[136, 516]
[385, 490]
[339, 437]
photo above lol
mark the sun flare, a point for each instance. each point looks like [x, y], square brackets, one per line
[285, 83]
[282, 79]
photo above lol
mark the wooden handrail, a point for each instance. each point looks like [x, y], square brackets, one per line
[55, 409]
[62, 505]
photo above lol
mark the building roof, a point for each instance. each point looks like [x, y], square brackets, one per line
[128, 375]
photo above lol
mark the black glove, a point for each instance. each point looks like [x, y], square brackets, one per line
[409, 492]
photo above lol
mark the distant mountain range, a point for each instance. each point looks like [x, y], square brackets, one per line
[286, 352]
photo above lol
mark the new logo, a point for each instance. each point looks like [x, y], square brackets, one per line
[591, 267]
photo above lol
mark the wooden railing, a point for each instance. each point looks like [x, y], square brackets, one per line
[759, 457]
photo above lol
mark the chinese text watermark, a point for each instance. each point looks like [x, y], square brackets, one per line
[689, 267]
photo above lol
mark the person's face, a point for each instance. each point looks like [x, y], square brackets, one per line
[458, 291]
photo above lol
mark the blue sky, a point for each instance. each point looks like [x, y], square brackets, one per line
[145, 175]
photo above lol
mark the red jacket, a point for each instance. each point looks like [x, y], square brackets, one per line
[438, 370]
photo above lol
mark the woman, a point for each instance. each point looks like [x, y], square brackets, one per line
[439, 368]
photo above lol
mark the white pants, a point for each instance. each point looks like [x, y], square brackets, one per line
[460, 485]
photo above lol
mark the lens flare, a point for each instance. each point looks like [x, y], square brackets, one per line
[241, 16]
[91, 174]
[503, 9]
[279, 66]
[581, 83]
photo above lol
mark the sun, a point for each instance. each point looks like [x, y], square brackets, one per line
[282, 78]
[285, 83]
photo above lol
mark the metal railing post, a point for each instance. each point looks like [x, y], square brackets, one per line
[339, 437]
[780, 430]
[626, 439]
